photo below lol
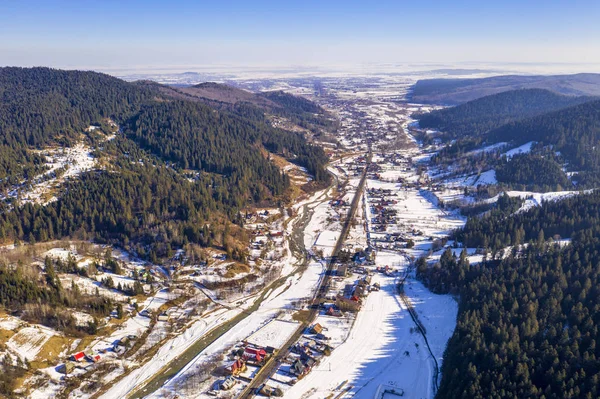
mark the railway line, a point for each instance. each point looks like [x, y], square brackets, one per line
[274, 362]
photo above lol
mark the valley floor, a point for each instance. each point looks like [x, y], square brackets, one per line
[379, 348]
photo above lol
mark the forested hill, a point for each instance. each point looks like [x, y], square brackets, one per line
[175, 167]
[574, 132]
[297, 110]
[291, 103]
[528, 320]
[200, 138]
[217, 94]
[42, 106]
[479, 116]
[39, 105]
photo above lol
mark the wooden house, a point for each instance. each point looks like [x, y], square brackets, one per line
[255, 354]
[317, 329]
[228, 383]
[347, 304]
[237, 367]
[66, 368]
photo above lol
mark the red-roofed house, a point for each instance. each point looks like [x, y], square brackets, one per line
[255, 354]
[237, 367]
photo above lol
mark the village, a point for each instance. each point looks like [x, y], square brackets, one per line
[395, 224]
[301, 318]
[352, 282]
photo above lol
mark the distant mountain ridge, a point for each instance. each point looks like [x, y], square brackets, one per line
[458, 91]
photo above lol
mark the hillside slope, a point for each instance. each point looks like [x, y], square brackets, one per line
[573, 132]
[217, 93]
[41, 107]
[527, 323]
[295, 110]
[174, 167]
[479, 116]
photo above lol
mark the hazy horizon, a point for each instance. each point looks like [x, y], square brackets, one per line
[184, 35]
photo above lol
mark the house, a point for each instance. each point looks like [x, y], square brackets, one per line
[348, 289]
[347, 304]
[297, 368]
[342, 270]
[255, 354]
[228, 384]
[317, 329]
[360, 258]
[305, 357]
[300, 349]
[163, 316]
[363, 282]
[120, 345]
[66, 368]
[309, 363]
[311, 344]
[359, 291]
[79, 356]
[337, 202]
[92, 358]
[322, 337]
[370, 252]
[334, 312]
[237, 367]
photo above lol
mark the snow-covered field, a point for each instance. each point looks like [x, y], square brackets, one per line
[524, 149]
[484, 178]
[533, 199]
[383, 347]
[71, 161]
[274, 334]
[28, 341]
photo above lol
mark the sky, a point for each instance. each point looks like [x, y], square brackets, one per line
[109, 34]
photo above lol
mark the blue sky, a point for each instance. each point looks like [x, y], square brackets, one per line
[105, 34]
